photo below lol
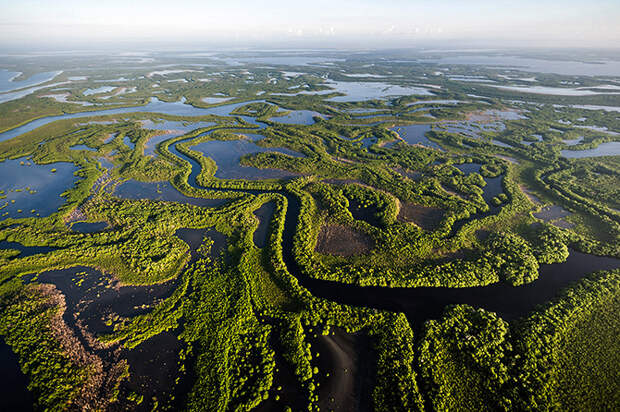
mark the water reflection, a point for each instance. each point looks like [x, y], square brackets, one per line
[28, 189]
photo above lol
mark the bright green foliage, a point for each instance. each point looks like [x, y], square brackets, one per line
[241, 315]
[464, 360]
[568, 352]
[517, 264]
[25, 322]
[397, 387]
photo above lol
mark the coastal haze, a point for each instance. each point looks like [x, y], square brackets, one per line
[351, 206]
[83, 25]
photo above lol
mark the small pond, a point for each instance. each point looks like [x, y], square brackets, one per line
[264, 215]
[468, 168]
[89, 227]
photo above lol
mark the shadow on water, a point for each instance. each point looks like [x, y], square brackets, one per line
[93, 298]
[30, 189]
[25, 251]
[89, 227]
[132, 189]
[14, 395]
[264, 215]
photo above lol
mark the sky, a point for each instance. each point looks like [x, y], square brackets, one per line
[58, 24]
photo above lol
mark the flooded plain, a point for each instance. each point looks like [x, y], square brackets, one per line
[8, 80]
[416, 135]
[28, 189]
[228, 153]
[603, 149]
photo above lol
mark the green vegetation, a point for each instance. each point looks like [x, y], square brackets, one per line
[569, 349]
[464, 360]
[562, 357]
[238, 327]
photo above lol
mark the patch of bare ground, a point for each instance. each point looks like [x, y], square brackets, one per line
[428, 218]
[75, 215]
[342, 241]
[479, 116]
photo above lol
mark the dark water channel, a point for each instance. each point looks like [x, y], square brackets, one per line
[81, 284]
[416, 135]
[93, 297]
[492, 189]
[264, 215]
[25, 251]
[420, 304]
[14, 394]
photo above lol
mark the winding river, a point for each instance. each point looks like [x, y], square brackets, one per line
[418, 304]
[423, 303]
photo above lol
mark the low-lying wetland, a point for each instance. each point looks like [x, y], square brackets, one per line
[172, 233]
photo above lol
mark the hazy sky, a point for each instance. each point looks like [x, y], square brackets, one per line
[335, 23]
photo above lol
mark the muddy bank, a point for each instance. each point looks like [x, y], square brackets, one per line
[95, 301]
[427, 218]
[342, 240]
[411, 174]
